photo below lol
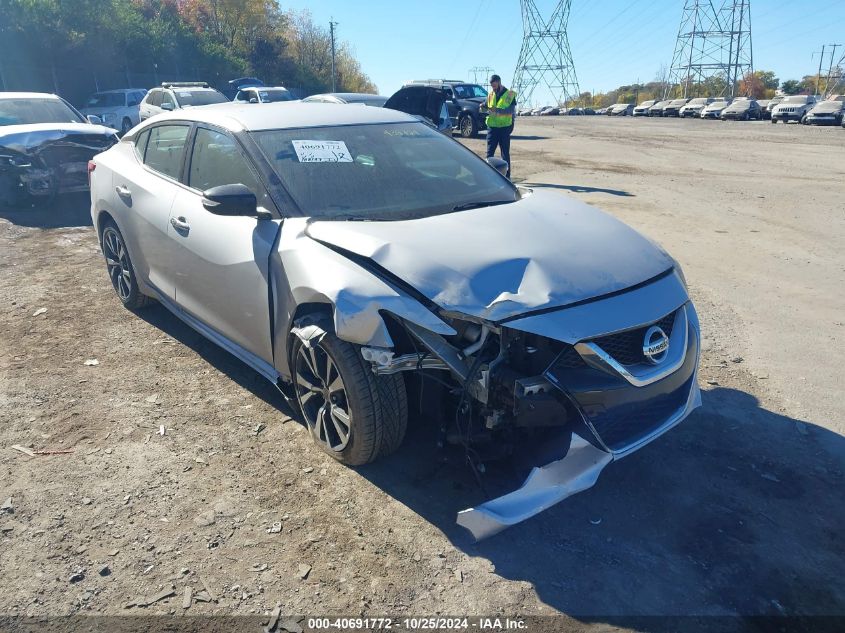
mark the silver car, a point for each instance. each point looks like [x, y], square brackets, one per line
[345, 253]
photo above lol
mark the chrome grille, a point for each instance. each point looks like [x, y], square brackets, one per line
[627, 347]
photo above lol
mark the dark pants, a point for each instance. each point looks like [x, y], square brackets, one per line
[500, 137]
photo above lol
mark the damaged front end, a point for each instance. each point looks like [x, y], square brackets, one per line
[609, 376]
[39, 163]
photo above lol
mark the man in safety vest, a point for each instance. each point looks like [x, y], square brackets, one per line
[501, 105]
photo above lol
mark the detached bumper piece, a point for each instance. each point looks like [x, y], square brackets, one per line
[624, 402]
[545, 486]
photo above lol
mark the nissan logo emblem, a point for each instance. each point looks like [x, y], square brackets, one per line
[655, 345]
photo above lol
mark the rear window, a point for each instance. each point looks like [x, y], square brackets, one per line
[272, 96]
[106, 100]
[198, 97]
[30, 111]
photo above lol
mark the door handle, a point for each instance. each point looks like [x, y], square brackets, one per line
[180, 224]
[123, 191]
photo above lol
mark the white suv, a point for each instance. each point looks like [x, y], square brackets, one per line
[793, 108]
[118, 109]
[175, 95]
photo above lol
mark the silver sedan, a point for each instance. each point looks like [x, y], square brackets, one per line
[346, 253]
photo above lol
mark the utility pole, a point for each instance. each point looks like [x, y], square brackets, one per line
[333, 24]
[819, 76]
[828, 87]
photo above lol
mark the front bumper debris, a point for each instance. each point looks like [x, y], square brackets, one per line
[545, 486]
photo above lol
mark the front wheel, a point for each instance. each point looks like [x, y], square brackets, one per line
[467, 126]
[354, 415]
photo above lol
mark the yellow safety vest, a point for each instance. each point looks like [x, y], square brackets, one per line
[500, 120]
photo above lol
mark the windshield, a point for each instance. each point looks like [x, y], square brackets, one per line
[741, 105]
[796, 99]
[29, 111]
[271, 96]
[719, 104]
[380, 171]
[198, 97]
[829, 106]
[106, 100]
[468, 91]
[645, 104]
[698, 102]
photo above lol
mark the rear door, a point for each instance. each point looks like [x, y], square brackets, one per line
[147, 188]
[222, 262]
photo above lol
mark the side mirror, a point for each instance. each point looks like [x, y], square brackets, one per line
[167, 106]
[93, 119]
[234, 200]
[499, 164]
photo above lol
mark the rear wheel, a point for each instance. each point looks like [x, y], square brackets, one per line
[353, 415]
[467, 126]
[120, 269]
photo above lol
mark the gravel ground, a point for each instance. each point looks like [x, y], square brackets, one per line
[738, 511]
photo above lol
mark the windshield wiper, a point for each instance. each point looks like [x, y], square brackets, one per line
[476, 205]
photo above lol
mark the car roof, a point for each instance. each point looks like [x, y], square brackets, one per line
[285, 115]
[28, 95]
[119, 90]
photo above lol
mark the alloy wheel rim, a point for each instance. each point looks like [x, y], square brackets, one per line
[322, 397]
[466, 126]
[117, 262]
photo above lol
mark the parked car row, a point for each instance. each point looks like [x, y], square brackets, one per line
[806, 109]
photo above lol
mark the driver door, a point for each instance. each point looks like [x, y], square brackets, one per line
[222, 262]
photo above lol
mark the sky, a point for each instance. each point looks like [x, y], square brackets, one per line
[613, 42]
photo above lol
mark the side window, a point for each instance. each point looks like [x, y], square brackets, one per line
[141, 144]
[165, 148]
[166, 97]
[134, 98]
[154, 98]
[217, 160]
[241, 96]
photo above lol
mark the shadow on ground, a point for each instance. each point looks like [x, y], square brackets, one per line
[528, 137]
[578, 189]
[159, 317]
[65, 211]
[738, 511]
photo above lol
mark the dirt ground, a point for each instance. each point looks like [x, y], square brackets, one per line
[738, 511]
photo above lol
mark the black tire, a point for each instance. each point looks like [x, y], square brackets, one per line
[120, 269]
[125, 126]
[376, 407]
[467, 126]
[774, 121]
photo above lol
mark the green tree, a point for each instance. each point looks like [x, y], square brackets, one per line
[791, 86]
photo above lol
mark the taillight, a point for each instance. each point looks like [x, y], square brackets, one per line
[91, 167]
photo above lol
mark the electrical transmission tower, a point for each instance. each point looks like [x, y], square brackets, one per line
[713, 50]
[484, 71]
[545, 58]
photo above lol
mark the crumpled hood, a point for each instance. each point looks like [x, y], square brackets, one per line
[543, 251]
[23, 137]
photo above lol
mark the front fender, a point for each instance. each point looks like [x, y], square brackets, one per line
[305, 271]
